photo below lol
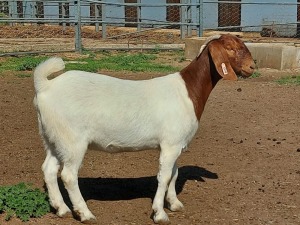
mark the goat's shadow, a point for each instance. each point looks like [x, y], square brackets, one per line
[114, 189]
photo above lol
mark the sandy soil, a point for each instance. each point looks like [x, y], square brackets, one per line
[242, 167]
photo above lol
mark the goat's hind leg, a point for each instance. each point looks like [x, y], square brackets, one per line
[50, 168]
[69, 176]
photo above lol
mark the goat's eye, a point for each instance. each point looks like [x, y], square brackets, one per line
[231, 51]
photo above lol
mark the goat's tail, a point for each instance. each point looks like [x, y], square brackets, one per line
[45, 69]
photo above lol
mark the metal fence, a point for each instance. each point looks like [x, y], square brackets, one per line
[72, 25]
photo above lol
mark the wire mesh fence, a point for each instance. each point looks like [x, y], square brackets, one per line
[269, 18]
[70, 25]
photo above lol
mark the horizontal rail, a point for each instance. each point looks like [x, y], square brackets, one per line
[189, 4]
[252, 3]
[94, 20]
[87, 21]
[87, 2]
[97, 13]
[33, 52]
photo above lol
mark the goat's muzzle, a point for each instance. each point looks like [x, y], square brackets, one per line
[248, 69]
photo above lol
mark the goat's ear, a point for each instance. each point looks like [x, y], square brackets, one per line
[221, 61]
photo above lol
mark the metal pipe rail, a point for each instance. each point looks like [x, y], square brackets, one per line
[190, 15]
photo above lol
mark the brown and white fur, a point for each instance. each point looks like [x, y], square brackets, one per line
[78, 109]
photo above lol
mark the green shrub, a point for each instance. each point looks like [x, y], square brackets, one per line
[23, 201]
[29, 63]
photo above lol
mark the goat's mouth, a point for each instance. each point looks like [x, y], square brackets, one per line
[247, 72]
[248, 69]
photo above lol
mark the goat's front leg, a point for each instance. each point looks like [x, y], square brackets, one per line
[168, 157]
[174, 203]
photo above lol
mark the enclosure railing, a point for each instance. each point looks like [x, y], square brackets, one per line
[71, 12]
[189, 17]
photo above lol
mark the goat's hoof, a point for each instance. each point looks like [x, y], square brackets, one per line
[65, 215]
[87, 217]
[176, 206]
[64, 212]
[161, 218]
[90, 221]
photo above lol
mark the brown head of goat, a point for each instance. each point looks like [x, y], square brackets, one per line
[222, 56]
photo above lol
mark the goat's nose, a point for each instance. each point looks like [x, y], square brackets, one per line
[252, 66]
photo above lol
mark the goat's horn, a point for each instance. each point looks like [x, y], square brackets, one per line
[209, 39]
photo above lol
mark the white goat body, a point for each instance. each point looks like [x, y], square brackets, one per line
[78, 109]
[112, 113]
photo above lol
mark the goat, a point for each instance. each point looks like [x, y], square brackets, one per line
[78, 109]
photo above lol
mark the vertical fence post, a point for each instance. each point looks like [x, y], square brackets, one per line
[182, 19]
[97, 13]
[78, 44]
[34, 11]
[12, 10]
[63, 15]
[139, 15]
[103, 14]
[200, 19]
[189, 18]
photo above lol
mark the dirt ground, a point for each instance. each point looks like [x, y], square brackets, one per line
[242, 167]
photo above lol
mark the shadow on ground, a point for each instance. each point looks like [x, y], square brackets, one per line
[113, 189]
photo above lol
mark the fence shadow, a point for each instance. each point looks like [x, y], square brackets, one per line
[113, 189]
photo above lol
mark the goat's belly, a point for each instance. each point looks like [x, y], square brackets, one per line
[116, 148]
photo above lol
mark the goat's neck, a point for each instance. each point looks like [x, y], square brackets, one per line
[200, 77]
